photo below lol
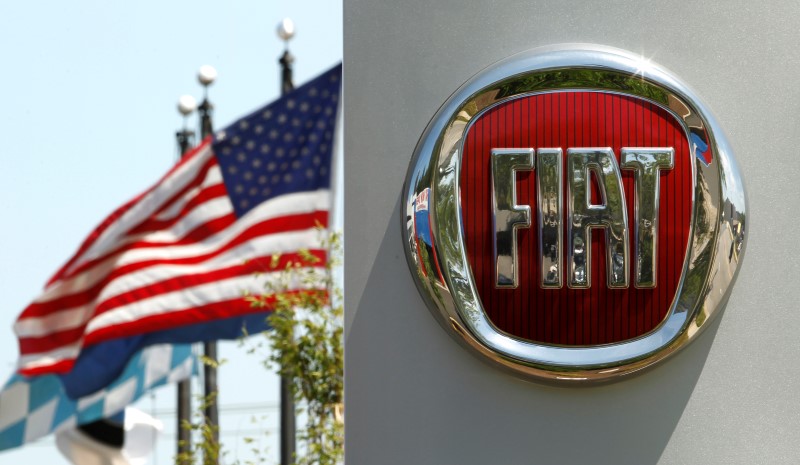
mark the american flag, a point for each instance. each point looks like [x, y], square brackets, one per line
[185, 251]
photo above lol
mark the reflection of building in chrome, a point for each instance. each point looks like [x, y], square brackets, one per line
[422, 238]
[412, 245]
[735, 227]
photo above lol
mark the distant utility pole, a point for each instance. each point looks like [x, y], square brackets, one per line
[186, 106]
[288, 428]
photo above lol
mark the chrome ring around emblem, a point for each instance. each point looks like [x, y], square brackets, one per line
[437, 256]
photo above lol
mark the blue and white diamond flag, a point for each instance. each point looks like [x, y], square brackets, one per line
[31, 408]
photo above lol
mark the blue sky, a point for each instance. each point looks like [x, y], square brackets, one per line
[88, 120]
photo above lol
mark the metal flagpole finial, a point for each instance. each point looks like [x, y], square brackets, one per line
[286, 31]
[186, 106]
[206, 75]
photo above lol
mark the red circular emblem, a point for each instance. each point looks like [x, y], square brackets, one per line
[575, 316]
[574, 213]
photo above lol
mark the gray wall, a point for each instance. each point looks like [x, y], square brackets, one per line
[414, 396]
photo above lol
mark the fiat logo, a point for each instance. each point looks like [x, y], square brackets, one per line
[574, 213]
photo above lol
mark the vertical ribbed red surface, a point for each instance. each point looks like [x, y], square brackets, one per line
[597, 315]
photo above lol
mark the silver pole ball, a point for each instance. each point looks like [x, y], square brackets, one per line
[286, 29]
[186, 105]
[206, 75]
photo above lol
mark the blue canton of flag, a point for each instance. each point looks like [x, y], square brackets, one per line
[31, 408]
[283, 148]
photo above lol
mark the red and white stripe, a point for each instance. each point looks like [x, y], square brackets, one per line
[173, 256]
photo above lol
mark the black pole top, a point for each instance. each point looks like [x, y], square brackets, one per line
[185, 140]
[287, 82]
[206, 110]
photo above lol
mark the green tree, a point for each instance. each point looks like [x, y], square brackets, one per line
[306, 338]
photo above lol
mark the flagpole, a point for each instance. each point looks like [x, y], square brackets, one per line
[186, 106]
[185, 137]
[206, 76]
[288, 428]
